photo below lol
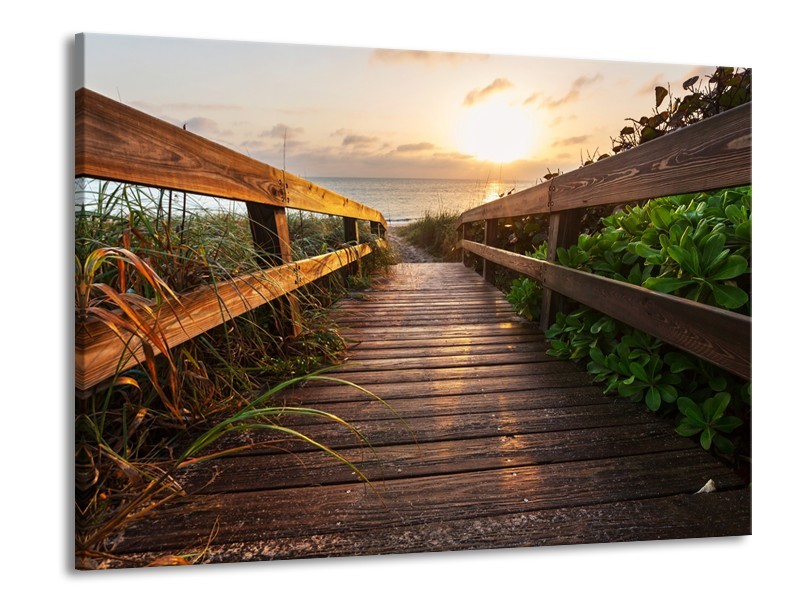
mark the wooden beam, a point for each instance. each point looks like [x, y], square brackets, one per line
[563, 231]
[117, 142]
[714, 153]
[99, 351]
[489, 239]
[270, 231]
[511, 260]
[351, 237]
[716, 335]
[533, 200]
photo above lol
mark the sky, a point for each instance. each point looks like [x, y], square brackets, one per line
[332, 111]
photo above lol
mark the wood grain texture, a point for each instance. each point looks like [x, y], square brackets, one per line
[114, 141]
[99, 352]
[719, 336]
[714, 153]
[689, 516]
[534, 200]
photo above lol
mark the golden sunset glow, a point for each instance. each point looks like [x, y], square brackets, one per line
[496, 131]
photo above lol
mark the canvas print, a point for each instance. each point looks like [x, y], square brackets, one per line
[337, 301]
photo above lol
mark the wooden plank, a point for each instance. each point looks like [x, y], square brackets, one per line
[510, 260]
[366, 353]
[247, 473]
[369, 409]
[534, 200]
[456, 343]
[310, 511]
[713, 153]
[450, 361]
[117, 142]
[563, 230]
[99, 351]
[387, 332]
[489, 239]
[270, 230]
[719, 336]
[672, 517]
[452, 387]
[366, 378]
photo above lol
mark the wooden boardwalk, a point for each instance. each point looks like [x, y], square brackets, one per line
[510, 448]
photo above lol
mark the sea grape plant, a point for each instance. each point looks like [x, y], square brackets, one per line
[696, 246]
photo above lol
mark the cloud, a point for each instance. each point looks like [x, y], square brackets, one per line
[571, 141]
[532, 98]
[415, 147]
[647, 88]
[574, 91]
[454, 155]
[196, 106]
[358, 140]
[422, 56]
[280, 129]
[202, 126]
[478, 95]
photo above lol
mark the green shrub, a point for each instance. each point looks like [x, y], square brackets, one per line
[694, 246]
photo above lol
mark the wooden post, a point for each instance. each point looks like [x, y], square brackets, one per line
[490, 239]
[270, 231]
[376, 229]
[563, 232]
[351, 239]
[460, 238]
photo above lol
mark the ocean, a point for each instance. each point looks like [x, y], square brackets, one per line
[403, 200]
[400, 200]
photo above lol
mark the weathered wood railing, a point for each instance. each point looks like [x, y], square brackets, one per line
[119, 143]
[712, 154]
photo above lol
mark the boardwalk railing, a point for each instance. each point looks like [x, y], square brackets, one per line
[712, 154]
[119, 143]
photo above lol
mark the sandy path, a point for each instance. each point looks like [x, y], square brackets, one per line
[405, 252]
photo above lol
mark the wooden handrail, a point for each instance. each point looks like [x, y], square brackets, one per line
[100, 352]
[712, 154]
[116, 142]
[718, 336]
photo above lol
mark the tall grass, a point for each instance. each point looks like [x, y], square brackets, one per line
[135, 248]
[435, 233]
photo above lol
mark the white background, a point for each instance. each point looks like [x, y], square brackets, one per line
[37, 264]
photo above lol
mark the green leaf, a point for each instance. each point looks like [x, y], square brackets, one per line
[706, 437]
[714, 408]
[728, 424]
[723, 444]
[733, 267]
[729, 296]
[690, 82]
[679, 362]
[653, 399]
[668, 393]
[660, 217]
[597, 355]
[691, 410]
[687, 430]
[718, 384]
[714, 246]
[665, 285]
[661, 93]
[638, 371]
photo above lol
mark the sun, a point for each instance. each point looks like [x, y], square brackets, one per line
[496, 131]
